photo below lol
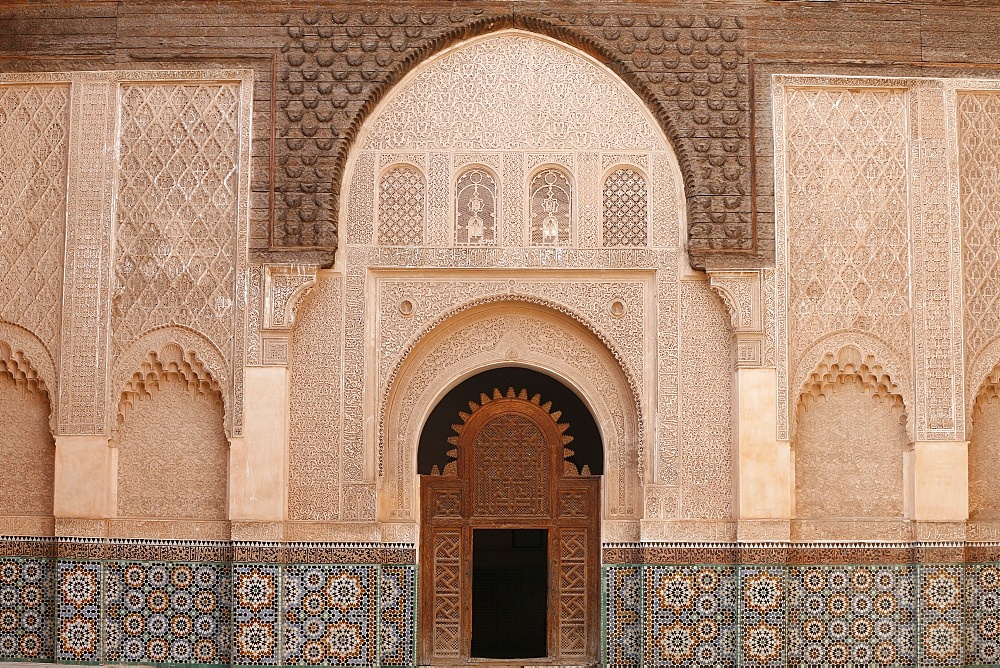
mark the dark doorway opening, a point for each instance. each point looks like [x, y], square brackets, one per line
[509, 593]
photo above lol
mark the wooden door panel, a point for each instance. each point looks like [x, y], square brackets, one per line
[510, 473]
[447, 581]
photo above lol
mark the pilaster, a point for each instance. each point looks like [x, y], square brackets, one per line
[764, 475]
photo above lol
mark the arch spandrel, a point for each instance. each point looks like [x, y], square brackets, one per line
[508, 334]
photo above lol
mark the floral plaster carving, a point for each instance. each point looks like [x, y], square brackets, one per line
[837, 283]
[285, 287]
[492, 335]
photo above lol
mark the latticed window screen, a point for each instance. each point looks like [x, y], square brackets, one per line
[401, 195]
[551, 214]
[625, 208]
[476, 208]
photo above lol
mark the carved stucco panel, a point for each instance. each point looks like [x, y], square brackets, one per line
[84, 363]
[613, 307]
[315, 405]
[527, 90]
[90, 175]
[975, 130]
[666, 465]
[132, 359]
[984, 457]
[844, 472]
[26, 445]
[34, 152]
[937, 268]
[183, 206]
[356, 316]
[173, 456]
[705, 408]
[499, 333]
[842, 213]
[33, 360]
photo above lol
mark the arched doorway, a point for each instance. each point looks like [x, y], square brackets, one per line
[510, 529]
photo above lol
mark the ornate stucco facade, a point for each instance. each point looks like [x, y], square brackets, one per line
[247, 254]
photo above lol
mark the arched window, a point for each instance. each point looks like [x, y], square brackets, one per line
[551, 208]
[625, 208]
[476, 208]
[401, 194]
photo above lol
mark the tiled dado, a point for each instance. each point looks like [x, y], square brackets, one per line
[57, 604]
[27, 608]
[801, 615]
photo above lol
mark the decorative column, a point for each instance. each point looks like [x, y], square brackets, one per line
[937, 469]
[83, 467]
[764, 469]
[259, 460]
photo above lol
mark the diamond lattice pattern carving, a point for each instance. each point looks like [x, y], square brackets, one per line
[34, 137]
[401, 207]
[979, 137]
[847, 215]
[177, 209]
[625, 208]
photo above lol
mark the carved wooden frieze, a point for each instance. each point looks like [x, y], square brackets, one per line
[692, 72]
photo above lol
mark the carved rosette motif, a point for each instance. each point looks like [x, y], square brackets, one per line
[692, 71]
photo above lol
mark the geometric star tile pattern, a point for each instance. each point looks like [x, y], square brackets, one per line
[622, 614]
[762, 616]
[851, 615]
[79, 613]
[27, 609]
[690, 615]
[255, 614]
[329, 615]
[982, 600]
[165, 612]
[397, 613]
[941, 611]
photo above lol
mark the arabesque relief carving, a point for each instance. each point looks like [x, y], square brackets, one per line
[498, 332]
[315, 422]
[692, 71]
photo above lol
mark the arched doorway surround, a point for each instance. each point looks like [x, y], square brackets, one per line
[510, 474]
[509, 333]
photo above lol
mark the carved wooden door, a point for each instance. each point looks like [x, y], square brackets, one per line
[509, 472]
